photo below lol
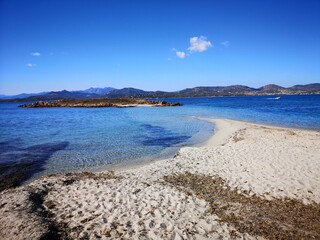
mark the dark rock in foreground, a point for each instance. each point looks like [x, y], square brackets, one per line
[102, 102]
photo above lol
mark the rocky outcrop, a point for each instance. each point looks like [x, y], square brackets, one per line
[99, 103]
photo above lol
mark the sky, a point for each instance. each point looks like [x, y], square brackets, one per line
[50, 45]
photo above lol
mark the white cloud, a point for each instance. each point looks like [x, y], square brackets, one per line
[181, 54]
[199, 44]
[225, 43]
[36, 54]
[31, 65]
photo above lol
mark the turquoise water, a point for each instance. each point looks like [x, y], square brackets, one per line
[57, 140]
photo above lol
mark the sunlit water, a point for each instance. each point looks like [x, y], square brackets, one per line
[70, 139]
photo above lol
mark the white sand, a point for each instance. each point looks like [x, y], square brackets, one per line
[267, 161]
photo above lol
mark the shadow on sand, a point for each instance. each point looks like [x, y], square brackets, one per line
[19, 164]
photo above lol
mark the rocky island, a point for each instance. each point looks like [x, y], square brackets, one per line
[101, 102]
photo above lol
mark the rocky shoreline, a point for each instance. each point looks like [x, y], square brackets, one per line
[101, 102]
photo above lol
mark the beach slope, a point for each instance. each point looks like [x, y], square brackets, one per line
[248, 181]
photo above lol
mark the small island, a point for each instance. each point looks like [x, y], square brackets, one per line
[100, 102]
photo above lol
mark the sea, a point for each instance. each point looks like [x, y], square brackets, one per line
[40, 141]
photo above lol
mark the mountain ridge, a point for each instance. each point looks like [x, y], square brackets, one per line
[201, 91]
[97, 90]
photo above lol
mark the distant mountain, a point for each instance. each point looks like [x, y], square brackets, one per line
[215, 91]
[271, 88]
[234, 90]
[22, 95]
[91, 92]
[57, 95]
[137, 93]
[97, 90]
[68, 95]
[308, 87]
[126, 92]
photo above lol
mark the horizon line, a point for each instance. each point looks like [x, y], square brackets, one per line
[5, 95]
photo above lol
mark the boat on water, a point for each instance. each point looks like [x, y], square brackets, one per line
[277, 98]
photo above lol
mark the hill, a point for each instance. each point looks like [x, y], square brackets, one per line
[233, 90]
[98, 91]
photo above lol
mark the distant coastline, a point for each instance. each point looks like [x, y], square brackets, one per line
[217, 91]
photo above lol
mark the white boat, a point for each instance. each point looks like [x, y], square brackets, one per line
[277, 98]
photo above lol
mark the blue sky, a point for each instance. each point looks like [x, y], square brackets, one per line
[157, 45]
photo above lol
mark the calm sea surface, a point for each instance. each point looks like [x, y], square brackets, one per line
[58, 140]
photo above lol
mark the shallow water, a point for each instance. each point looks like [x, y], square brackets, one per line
[68, 139]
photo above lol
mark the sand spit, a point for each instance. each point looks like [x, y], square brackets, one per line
[248, 166]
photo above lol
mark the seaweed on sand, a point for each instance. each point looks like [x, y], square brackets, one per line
[273, 219]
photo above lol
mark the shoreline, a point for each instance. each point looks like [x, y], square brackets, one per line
[260, 166]
[99, 103]
[150, 160]
[219, 136]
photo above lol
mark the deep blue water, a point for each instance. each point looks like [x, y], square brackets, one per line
[68, 139]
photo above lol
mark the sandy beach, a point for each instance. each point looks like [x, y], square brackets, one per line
[248, 181]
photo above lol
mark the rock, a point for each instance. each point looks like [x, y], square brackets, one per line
[98, 103]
